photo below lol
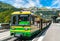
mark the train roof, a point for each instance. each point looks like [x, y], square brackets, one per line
[21, 12]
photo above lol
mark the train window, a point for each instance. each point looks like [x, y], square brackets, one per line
[14, 20]
[32, 20]
[24, 20]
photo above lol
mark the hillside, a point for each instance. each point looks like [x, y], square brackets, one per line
[5, 12]
[4, 5]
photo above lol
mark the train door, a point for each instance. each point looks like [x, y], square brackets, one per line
[34, 26]
[14, 20]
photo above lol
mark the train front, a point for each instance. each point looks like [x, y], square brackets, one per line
[20, 24]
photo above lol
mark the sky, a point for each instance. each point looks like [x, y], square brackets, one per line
[33, 3]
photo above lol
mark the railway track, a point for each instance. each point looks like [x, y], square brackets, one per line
[9, 39]
[40, 35]
[14, 39]
[7, 36]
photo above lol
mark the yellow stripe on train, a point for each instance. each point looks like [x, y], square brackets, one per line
[22, 12]
[20, 27]
[20, 30]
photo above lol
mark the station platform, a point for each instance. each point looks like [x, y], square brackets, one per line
[53, 33]
[3, 30]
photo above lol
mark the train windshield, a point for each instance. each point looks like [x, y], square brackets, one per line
[23, 19]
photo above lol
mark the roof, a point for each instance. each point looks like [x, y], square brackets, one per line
[22, 12]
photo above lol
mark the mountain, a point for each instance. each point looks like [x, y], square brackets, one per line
[47, 13]
[5, 6]
[5, 12]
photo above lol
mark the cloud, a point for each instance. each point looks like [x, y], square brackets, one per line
[18, 3]
[38, 3]
[21, 3]
[26, 3]
[56, 3]
[32, 3]
[48, 7]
